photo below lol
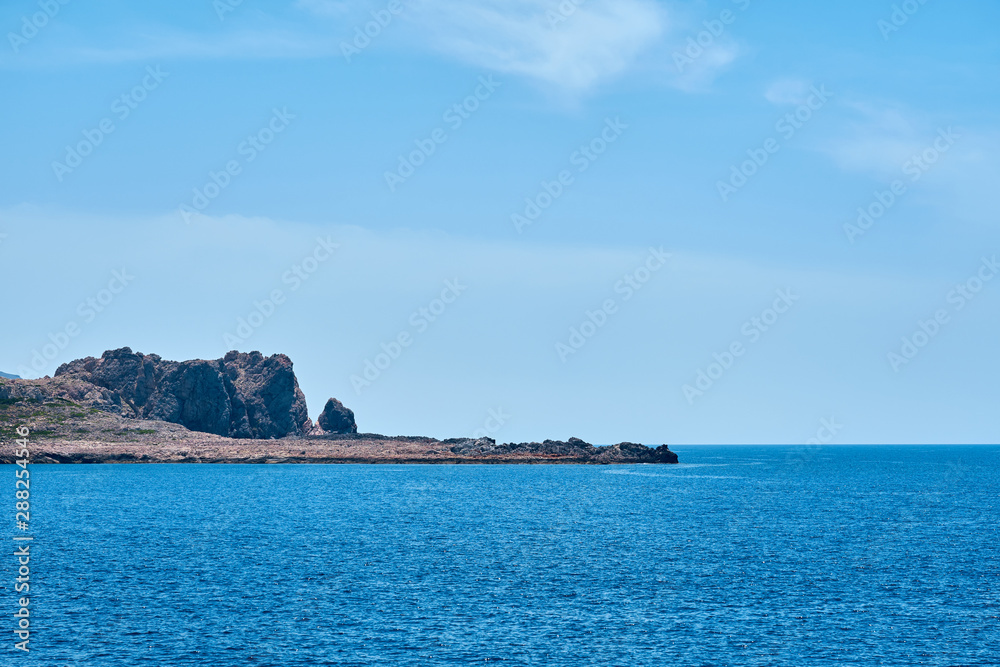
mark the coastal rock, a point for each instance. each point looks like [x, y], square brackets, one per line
[573, 449]
[471, 446]
[630, 452]
[140, 407]
[275, 405]
[65, 388]
[336, 418]
[242, 395]
[664, 455]
[549, 448]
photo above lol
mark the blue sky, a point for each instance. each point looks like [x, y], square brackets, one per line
[222, 154]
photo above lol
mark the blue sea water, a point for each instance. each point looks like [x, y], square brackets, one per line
[737, 556]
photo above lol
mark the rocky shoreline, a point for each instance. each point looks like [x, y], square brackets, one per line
[133, 408]
[370, 452]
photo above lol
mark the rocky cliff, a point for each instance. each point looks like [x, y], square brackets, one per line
[242, 395]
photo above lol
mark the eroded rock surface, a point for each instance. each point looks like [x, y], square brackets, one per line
[242, 395]
[336, 418]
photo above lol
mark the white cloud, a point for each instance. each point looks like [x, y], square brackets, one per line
[575, 50]
[571, 45]
[562, 45]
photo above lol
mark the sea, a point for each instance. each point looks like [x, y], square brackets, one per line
[752, 555]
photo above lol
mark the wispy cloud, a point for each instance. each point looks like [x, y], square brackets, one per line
[878, 138]
[883, 140]
[562, 45]
[597, 41]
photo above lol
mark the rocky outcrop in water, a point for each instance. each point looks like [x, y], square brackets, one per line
[336, 418]
[574, 448]
[242, 395]
[630, 452]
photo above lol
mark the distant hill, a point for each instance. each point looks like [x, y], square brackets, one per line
[9, 376]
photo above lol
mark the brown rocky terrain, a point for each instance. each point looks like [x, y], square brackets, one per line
[244, 408]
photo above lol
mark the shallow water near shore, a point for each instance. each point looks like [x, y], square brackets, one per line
[736, 556]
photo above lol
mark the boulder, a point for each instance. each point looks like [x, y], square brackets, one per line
[336, 418]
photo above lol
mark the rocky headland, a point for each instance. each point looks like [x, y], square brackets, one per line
[243, 408]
